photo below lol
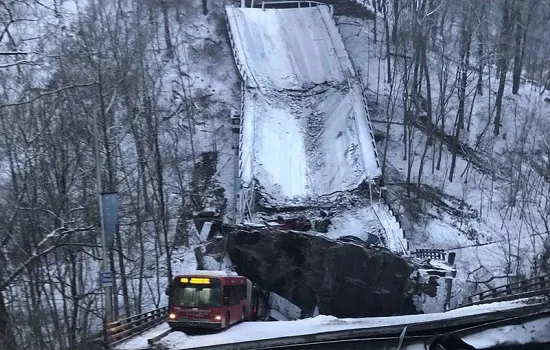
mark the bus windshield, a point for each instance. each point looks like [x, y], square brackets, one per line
[197, 296]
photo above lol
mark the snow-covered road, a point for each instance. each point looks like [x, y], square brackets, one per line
[250, 331]
[288, 49]
[305, 130]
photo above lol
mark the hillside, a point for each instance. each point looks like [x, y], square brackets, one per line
[493, 209]
[160, 80]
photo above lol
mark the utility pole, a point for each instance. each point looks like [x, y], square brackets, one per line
[105, 262]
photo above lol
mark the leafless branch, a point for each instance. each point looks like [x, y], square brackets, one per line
[44, 94]
[13, 53]
[40, 251]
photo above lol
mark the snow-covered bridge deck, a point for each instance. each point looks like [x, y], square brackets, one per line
[305, 128]
[264, 332]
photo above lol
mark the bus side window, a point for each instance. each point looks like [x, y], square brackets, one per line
[226, 296]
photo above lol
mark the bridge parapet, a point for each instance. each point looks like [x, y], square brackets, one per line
[536, 286]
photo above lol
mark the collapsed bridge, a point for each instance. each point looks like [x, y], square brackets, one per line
[305, 131]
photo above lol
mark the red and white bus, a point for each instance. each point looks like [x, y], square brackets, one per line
[212, 299]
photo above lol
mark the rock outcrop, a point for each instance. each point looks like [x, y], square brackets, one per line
[342, 279]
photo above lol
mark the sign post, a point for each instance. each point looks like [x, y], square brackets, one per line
[105, 269]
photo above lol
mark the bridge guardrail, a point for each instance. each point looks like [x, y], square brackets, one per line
[124, 329]
[283, 4]
[438, 254]
[523, 289]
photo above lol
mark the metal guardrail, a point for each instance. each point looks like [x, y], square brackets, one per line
[438, 254]
[124, 329]
[523, 289]
[283, 4]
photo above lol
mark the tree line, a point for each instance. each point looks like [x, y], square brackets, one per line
[63, 65]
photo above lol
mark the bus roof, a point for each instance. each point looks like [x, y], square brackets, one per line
[211, 273]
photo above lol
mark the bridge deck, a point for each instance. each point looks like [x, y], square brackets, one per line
[305, 129]
[326, 328]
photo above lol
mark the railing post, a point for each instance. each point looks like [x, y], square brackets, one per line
[451, 258]
[524, 286]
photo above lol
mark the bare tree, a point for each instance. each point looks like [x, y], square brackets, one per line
[502, 61]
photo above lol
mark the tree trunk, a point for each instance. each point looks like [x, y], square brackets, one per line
[429, 123]
[75, 301]
[502, 64]
[480, 43]
[141, 193]
[162, 204]
[205, 7]
[465, 42]
[6, 332]
[167, 36]
[395, 22]
[516, 77]
[454, 150]
[388, 48]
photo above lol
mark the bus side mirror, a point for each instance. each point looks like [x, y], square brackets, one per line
[225, 301]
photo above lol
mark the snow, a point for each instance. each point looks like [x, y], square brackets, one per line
[395, 236]
[205, 231]
[278, 145]
[285, 48]
[529, 332]
[366, 4]
[140, 341]
[212, 273]
[442, 265]
[249, 331]
[359, 222]
[491, 238]
[183, 260]
[305, 129]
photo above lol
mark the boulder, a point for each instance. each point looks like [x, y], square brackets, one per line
[341, 279]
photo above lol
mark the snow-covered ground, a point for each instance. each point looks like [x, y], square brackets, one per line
[305, 132]
[249, 331]
[472, 215]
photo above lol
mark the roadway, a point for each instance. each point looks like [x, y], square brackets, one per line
[498, 320]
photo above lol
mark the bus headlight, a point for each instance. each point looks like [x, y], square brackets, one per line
[218, 318]
[172, 316]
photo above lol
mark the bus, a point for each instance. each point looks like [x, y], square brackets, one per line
[213, 299]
